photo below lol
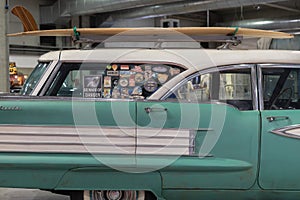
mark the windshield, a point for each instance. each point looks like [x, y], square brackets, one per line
[34, 78]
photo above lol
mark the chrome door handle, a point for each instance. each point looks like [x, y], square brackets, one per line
[148, 109]
[273, 118]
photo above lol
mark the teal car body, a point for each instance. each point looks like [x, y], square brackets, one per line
[196, 124]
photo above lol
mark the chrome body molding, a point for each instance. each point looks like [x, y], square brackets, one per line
[97, 139]
[292, 131]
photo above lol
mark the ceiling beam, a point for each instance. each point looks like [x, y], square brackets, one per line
[282, 7]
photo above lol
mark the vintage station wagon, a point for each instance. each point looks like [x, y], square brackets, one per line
[124, 123]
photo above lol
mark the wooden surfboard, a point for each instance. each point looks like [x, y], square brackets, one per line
[191, 31]
[26, 18]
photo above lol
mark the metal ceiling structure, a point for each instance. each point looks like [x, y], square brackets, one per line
[141, 9]
[188, 7]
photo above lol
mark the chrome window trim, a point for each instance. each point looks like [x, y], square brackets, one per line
[214, 102]
[221, 68]
[278, 65]
[254, 88]
[50, 79]
[44, 77]
[260, 86]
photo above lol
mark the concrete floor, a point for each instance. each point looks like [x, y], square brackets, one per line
[27, 194]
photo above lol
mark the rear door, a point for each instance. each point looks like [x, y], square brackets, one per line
[280, 116]
[209, 127]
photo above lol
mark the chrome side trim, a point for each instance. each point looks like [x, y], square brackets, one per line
[55, 98]
[292, 131]
[67, 139]
[96, 139]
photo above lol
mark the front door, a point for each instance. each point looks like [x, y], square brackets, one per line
[280, 116]
[209, 128]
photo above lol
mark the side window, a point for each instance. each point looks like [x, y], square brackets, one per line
[235, 85]
[281, 88]
[118, 81]
[34, 78]
[195, 89]
[229, 86]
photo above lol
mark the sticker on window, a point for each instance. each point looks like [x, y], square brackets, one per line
[92, 86]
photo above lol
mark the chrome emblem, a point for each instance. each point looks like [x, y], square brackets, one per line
[288, 131]
[13, 108]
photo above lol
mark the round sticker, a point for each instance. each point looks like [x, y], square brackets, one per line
[150, 85]
[139, 78]
[162, 78]
[123, 82]
[160, 69]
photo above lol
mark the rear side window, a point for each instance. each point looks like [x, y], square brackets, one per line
[232, 86]
[117, 80]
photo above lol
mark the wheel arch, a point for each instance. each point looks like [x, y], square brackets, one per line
[94, 178]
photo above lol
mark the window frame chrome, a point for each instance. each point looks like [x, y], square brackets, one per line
[41, 81]
[253, 75]
[260, 78]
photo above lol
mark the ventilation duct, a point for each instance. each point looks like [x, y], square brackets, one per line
[65, 8]
[189, 7]
[267, 24]
[83, 7]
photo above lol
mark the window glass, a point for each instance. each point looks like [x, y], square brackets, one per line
[195, 89]
[111, 80]
[228, 86]
[281, 88]
[34, 78]
[235, 86]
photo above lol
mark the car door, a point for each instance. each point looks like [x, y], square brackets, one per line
[280, 116]
[204, 133]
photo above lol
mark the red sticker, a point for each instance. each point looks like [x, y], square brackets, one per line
[124, 67]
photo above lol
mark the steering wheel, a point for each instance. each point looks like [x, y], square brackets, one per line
[289, 92]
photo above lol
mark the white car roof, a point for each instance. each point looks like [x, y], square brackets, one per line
[197, 59]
